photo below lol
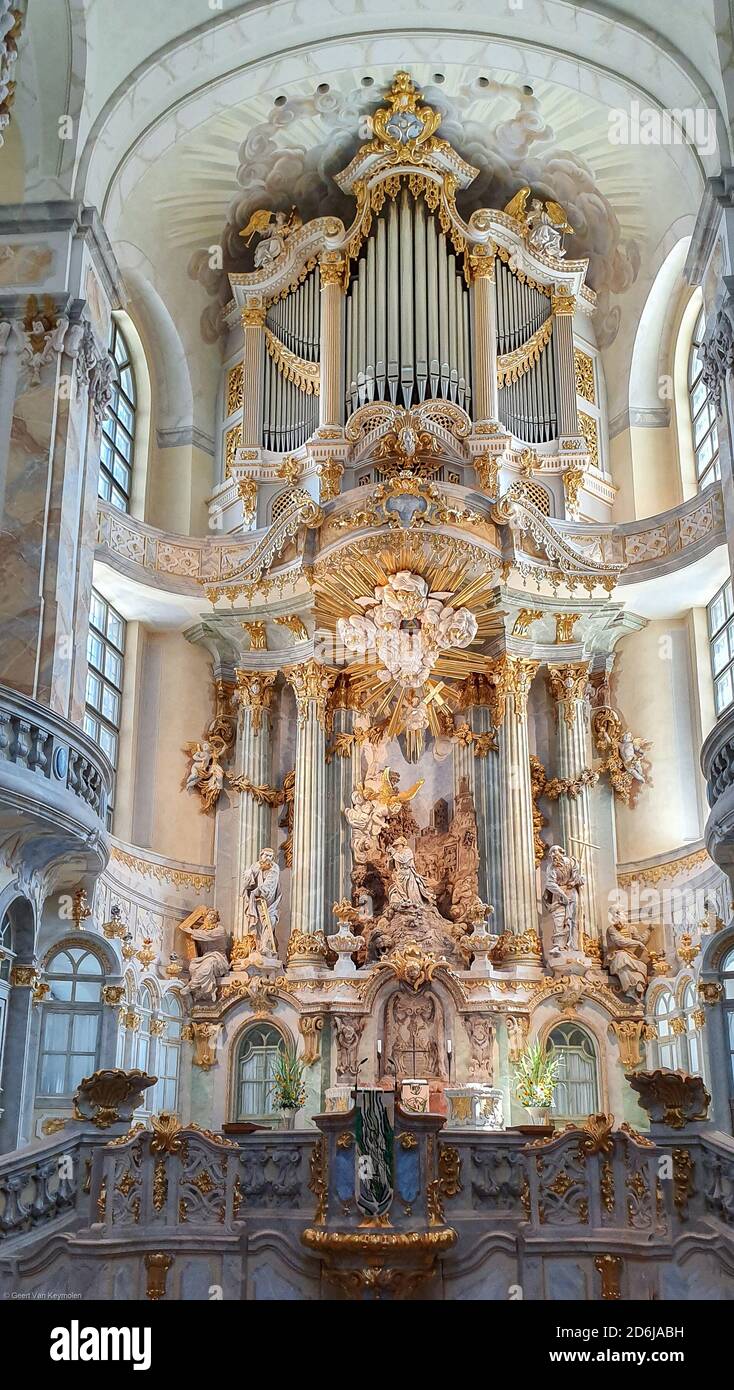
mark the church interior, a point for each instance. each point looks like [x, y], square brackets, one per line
[366, 650]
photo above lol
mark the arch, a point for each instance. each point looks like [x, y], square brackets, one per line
[71, 1021]
[578, 1090]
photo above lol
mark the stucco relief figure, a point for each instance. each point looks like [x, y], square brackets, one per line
[206, 969]
[563, 884]
[543, 222]
[348, 1031]
[206, 774]
[408, 888]
[630, 751]
[414, 1034]
[407, 628]
[261, 890]
[273, 230]
[627, 956]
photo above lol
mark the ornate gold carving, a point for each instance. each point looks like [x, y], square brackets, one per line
[157, 1265]
[449, 1171]
[179, 878]
[671, 1098]
[403, 127]
[568, 685]
[412, 966]
[306, 946]
[590, 430]
[254, 692]
[479, 263]
[257, 633]
[562, 301]
[511, 675]
[110, 1095]
[253, 316]
[334, 269]
[234, 389]
[486, 467]
[247, 492]
[512, 365]
[310, 1027]
[80, 909]
[584, 372]
[302, 373]
[597, 1131]
[232, 441]
[628, 1032]
[524, 620]
[317, 1180]
[330, 477]
[205, 1045]
[684, 1170]
[408, 1140]
[711, 991]
[24, 976]
[610, 1269]
[295, 625]
[565, 624]
[113, 994]
[573, 479]
[312, 684]
[518, 946]
[538, 783]
[54, 1124]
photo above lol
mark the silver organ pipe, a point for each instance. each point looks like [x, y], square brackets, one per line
[407, 312]
[527, 405]
[291, 412]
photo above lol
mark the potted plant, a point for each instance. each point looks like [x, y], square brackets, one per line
[535, 1078]
[288, 1089]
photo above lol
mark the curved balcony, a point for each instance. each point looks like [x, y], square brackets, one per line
[55, 784]
[717, 762]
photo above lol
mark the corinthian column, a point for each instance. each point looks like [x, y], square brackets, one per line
[479, 760]
[312, 685]
[512, 679]
[253, 331]
[568, 685]
[484, 382]
[333, 270]
[254, 771]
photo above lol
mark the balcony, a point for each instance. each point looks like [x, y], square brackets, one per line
[54, 787]
[717, 762]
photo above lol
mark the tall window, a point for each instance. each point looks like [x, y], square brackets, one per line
[72, 1014]
[105, 651]
[118, 430]
[256, 1056]
[577, 1089]
[721, 639]
[669, 1045]
[169, 1024]
[693, 1049]
[703, 414]
[7, 957]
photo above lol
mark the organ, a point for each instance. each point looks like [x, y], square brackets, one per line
[409, 304]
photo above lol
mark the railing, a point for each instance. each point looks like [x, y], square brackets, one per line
[45, 1183]
[35, 739]
[717, 763]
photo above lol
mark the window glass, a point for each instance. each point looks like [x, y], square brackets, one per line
[703, 415]
[105, 647]
[118, 430]
[721, 642]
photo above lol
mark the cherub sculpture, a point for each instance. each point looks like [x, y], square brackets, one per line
[543, 223]
[206, 774]
[274, 230]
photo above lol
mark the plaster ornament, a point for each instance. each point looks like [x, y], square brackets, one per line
[407, 628]
[273, 229]
[348, 1029]
[261, 890]
[206, 774]
[206, 969]
[626, 955]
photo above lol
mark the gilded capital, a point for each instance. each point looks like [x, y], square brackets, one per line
[254, 692]
[568, 684]
[562, 301]
[312, 685]
[481, 262]
[253, 316]
[511, 675]
[334, 269]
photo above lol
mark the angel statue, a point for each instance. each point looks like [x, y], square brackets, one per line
[630, 751]
[206, 774]
[273, 230]
[543, 223]
[206, 969]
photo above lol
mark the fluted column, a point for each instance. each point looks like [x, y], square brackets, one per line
[333, 269]
[568, 686]
[563, 306]
[484, 318]
[254, 767]
[343, 758]
[478, 759]
[514, 676]
[253, 354]
[312, 685]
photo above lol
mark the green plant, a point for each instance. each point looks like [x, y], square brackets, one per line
[288, 1089]
[535, 1076]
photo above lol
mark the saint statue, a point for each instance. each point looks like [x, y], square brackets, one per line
[206, 969]
[626, 954]
[408, 888]
[261, 889]
[563, 884]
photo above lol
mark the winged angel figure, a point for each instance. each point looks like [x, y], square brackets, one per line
[543, 223]
[273, 228]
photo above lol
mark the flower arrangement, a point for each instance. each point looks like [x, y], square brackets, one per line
[535, 1077]
[288, 1089]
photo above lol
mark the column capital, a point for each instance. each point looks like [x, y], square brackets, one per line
[312, 684]
[511, 675]
[481, 262]
[568, 683]
[562, 301]
[334, 270]
[254, 692]
[253, 316]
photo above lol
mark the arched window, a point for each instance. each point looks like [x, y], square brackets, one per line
[693, 1047]
[703, 413]
[256, 1054]
[72, 1014]
[168, 1060]
[7, 956]
[144, 1040]
[667, 1025]
[577, 1089]
[118, 430]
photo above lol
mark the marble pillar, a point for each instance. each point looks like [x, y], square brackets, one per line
[563, 306]
[312, 685]
[340, 779]
[333, 276]
[568, 685]
[514, 676]
[253, 332]
[254, 763]
[484, 318]
[489, 817]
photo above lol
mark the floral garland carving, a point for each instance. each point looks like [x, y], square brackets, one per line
[305, 375]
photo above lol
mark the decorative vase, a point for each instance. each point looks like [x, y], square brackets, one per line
[288, 1118]
[538, 1114]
